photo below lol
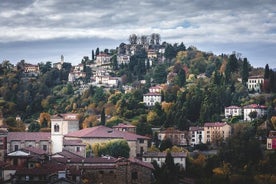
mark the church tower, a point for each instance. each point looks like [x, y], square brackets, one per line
[62, 124]
[62, 59]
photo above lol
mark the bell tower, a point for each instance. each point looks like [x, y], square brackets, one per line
[62, 124]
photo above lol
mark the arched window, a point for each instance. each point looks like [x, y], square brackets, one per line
[56, 128]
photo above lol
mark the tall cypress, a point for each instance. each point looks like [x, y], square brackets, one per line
[103, 117]
[245, 71]
[266, 74]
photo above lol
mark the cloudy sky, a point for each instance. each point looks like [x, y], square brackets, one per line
[42, 30]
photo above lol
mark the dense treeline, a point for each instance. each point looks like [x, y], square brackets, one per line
[189, 98]
[196, 88]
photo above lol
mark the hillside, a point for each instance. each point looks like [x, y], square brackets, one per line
[196, 86]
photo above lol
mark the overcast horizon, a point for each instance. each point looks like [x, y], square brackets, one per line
[40, 31]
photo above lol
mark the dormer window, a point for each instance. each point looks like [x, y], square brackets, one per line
[56, 128]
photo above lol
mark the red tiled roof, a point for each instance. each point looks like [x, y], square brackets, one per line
[233, 107]
[255, 106]
[23, 136]
[73, 143]
[164, 154]
[124, 125]
[172, 130]
[141, 163]
[105, 132]
[103, 160]
[68, 116]
[256, 77]
[34, 150]
[196, 128]
[67, 154]
[152, 94]
[156, 87]
[215, 124]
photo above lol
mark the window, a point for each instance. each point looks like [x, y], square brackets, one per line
[16, 147]
[141, 150]
[44, 147]
[56, 128]
[101, 172]
[141, 141]
[134, 175]
[78, 149]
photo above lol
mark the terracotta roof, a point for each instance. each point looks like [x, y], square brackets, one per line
[233, 107]
[73, 143]
[164, 154]
[124, 125]
[23, 136]
[141, 163]
[256, 77]
[196, 128]
[215, 124]
[155, 87]
[255, 106]
[105, 132]
[152, 94]
[103, 160]
[68, 116]
[171, 130]
[34, 150]
[67, 154]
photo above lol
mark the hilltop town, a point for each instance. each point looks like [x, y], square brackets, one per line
[144, 112]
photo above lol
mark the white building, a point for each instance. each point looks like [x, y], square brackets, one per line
[255, 83]
[151, 98]
[232, 111]
[103, 59]
[107, 80]
[155, 89]
[123, 59]
[261, 110]
[61, 125]
[160, 157]
[196, 135]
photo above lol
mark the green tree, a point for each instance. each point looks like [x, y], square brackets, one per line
[97, 51]
[245, 71]
[165, 144]
[181, 77]
[103, 117]
[242, 149]
[266, 74]
[168, 172]
[93, 55]
[160, 74]
[34, 127]
[115, 148]
[170, 52]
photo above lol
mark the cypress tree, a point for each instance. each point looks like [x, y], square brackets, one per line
[266, 74]
[245, 71]
[103, 117]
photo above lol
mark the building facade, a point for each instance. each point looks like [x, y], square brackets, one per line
[255, 83]
[232, 111]
[216, 132]
[177, 137]
[160, 158]
[20, 140]
[138, 144]
[151, 98]
[196, 135]
[260, 110]
[62, 124]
